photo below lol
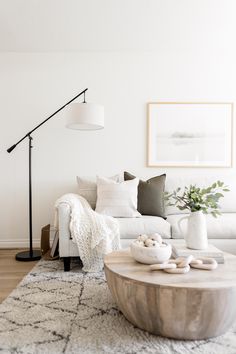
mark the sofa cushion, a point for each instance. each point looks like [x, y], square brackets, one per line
[87, 187]
[150, 195]
[227, 203]
[117, 199]
[130, 228]
[222, 227]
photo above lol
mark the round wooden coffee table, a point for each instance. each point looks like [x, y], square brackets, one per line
[197, 305]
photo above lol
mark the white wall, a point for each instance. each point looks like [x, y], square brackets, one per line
[32, 86]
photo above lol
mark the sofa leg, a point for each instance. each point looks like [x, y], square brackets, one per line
[66, 264]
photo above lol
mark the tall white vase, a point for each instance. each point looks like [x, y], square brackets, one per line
[196, 235]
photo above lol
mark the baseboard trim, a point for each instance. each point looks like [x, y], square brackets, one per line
[24, 242]
[15, 243]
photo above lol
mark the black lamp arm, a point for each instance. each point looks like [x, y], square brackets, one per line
[39, 125]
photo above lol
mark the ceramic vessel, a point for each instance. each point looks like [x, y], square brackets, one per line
[196, 234]
[150, 255]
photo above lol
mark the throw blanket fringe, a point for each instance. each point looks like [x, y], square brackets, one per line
[94, 234]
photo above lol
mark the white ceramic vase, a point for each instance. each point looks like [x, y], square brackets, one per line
[196, 235]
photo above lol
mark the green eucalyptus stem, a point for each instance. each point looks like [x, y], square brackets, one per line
[193, 198]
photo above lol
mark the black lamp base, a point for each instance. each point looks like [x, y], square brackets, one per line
[26, 256]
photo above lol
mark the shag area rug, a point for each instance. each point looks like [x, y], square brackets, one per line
[52, 311]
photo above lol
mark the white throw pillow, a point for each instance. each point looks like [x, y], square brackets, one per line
[87, 187]
[117, 199]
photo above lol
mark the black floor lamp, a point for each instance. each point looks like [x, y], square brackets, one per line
[82, 116]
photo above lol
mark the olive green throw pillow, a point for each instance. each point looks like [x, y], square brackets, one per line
[150, 195]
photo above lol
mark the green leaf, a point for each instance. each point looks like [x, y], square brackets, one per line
[181, 207]
[219, 195]
[194, 198]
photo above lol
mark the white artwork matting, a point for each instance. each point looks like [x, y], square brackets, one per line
[190, 134]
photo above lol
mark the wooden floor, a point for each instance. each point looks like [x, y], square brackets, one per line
[11, 271]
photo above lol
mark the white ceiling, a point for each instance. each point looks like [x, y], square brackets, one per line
[116, 25]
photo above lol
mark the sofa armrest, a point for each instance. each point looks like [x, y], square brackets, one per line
[64, 229]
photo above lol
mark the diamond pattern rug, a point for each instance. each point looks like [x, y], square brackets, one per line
[52, 311]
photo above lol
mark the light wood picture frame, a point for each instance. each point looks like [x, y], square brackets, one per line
[190, 134]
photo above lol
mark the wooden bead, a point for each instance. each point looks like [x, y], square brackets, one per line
[156, 237]
[140, 243]
[142, 237]
[148, 243]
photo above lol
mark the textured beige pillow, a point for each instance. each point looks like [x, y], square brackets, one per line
[117, 199]
[87, 187]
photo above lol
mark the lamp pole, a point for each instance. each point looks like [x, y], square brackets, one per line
[31, 254]
[30, 205]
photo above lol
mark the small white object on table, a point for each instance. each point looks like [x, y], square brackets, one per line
[150, 249]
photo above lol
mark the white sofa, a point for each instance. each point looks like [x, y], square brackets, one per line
[221, 230]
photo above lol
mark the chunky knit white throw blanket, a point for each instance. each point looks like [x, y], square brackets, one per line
[94, 234]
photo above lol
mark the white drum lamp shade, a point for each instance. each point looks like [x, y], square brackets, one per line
[85, 116]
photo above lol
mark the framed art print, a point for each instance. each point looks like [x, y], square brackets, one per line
[190, 134]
